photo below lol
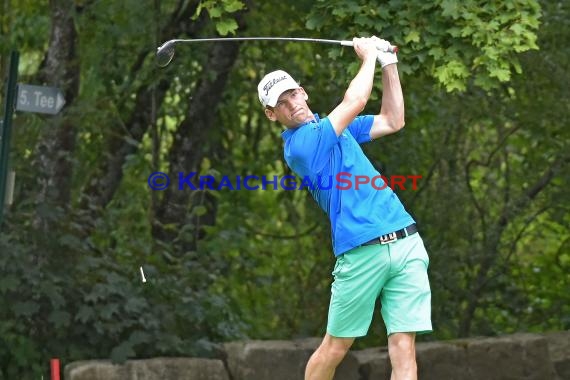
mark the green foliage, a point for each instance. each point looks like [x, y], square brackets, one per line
[219, 13]
[69, 299]
[451, 41]
[481, 138]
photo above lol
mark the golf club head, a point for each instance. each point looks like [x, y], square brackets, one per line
[165, 53]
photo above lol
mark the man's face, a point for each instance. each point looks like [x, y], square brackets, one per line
[291, 108]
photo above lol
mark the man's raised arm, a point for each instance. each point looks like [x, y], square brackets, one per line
[358, 92]
[391, 117]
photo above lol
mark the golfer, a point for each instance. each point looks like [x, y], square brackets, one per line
[379, 252]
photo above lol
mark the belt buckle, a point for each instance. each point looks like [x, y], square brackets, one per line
[388, 238]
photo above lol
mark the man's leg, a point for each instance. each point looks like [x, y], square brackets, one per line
[327, 357]
[402, 351]
[406, 304]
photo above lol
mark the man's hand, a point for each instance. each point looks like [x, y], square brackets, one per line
[384, 56]
[365, 47]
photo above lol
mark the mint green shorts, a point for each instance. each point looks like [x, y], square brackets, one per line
[395, 272]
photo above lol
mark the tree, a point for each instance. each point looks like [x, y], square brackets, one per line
[485, 127]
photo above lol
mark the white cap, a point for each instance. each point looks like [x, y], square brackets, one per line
[273, 85]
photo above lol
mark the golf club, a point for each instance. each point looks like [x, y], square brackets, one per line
[165, 52]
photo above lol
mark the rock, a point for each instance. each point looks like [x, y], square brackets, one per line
[512, 357]
[279, 360]
[374, 363]
[559, 351]
[441, 360]
[148, 369]
[509, 357]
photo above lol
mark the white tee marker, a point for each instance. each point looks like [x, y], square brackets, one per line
[142, 274]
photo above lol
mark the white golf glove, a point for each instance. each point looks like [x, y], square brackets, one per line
[385, 57]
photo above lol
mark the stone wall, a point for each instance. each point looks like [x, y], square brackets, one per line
[509, 357]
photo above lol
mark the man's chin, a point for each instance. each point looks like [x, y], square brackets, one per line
[301, 117]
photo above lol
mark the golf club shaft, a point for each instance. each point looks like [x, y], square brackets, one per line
[165, 52]
[392, 49]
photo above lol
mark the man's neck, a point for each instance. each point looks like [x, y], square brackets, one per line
[310, 117]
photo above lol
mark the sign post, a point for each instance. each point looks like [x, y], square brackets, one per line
[6, 127]
[30, 98]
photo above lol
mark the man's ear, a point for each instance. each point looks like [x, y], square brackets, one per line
[304, 93]
[270, 114]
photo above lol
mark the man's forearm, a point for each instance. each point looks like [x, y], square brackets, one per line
[392, 97]
[360, 87]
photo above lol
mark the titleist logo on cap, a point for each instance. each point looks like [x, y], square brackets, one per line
[272, 83]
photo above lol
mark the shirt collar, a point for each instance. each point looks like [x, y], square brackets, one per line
[289, 131]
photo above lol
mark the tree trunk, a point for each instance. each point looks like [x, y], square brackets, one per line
[55, 148]
[195, 139]
[510, 211]
[106, 179]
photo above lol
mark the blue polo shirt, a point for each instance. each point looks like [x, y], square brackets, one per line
[314, 151]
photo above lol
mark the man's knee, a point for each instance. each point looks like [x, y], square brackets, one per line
[402, 349]
[336, 352]
[334, 349]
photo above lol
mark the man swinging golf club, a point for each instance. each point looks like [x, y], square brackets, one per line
[379, 252]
